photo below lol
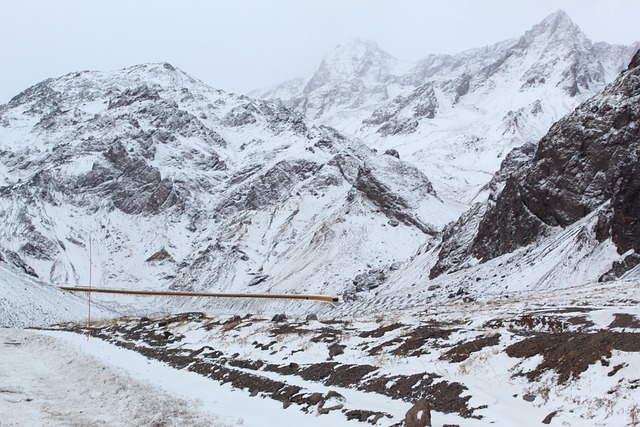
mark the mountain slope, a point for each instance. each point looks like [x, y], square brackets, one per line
[174, 184]
[587, 159]
[565, 216]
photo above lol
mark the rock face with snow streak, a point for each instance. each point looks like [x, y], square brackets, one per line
[587, 162]
[588, 158]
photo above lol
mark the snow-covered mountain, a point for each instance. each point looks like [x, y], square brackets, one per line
[469, 243]
[355, 75]
[565, 214]
[171, 184]
[174, 184]
[456, 116]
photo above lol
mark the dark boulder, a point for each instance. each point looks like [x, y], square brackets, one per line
[419, 415]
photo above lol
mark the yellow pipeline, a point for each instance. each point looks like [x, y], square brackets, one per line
[201, 294]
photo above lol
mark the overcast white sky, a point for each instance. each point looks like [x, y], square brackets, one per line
[239, 45]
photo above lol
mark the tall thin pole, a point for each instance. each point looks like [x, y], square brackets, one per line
[89, 314]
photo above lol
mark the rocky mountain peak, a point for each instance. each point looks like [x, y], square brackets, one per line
[556, 30]
[356, 57]
[354, 60]
[556, 21]
[557, 51]
[79, 87]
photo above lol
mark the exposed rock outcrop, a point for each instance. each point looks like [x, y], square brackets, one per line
[587, 158]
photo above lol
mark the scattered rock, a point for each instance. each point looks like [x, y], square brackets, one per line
[462, 352]
[570, 353]
[279, 318]
[258, 279]
[232, 320]
[619, 268]
[529, 397]
[625, 320]
[392, 152]
[335, 350]
[616, 369]
[335, 399]
[548, 418]
[311, 317]
[419, 415]
[377, 333]
[230, 325]
[370, 279]
[161, 255]
[372, 417]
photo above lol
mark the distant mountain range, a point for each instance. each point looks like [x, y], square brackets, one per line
[457, 116]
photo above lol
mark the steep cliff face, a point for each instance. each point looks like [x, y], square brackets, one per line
[588, 158]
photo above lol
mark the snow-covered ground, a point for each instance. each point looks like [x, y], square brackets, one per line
[569, 356]
[54, 380]
[66, 379]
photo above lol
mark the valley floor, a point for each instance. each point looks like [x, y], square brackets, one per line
[563, 357]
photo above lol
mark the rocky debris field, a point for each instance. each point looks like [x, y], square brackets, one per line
[478, 363]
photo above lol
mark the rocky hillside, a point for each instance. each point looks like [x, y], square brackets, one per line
[583, 175]
[588, 161]
[175, 184]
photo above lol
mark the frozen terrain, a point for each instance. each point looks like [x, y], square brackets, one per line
[476, 215]
[571, 357]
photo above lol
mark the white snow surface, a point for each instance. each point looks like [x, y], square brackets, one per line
[64, 379]
[61, 378]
